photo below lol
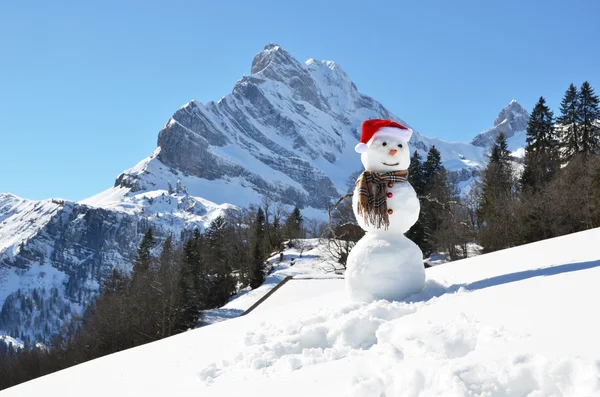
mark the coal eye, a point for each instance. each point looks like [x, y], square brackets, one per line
[399, 145]
[384, 144]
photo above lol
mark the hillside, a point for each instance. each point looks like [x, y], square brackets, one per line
[509, 323]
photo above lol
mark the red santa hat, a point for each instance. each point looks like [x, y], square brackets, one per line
[373, 126]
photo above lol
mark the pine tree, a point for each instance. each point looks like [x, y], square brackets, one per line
[432, 166]
[276, 240]
[219, 259]
[416, 173]
[114, 283]
[199, 267]
[497, 212]
[216, 241]
[190, 299]
[166, 255]
[541, 152]
[589, 116]
[569, 121]
[258, 268]
[169, 187]
[430, 181]
[143, 258]
[416, 177]
[500, 153]
[168, 292]
[437, 193]
[497, 177]
[293, 224]
[140, 300]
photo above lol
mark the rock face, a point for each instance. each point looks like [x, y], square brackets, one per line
[511, 120]
[287, 131]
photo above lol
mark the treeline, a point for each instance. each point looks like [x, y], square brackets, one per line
[439, 225]
[166, 292]
[554, 190]
[558, 190]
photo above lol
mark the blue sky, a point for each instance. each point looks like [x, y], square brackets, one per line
[85, 86]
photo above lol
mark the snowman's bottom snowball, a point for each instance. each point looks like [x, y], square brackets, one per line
[384, 265]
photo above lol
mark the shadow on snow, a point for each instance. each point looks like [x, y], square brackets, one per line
[434, 289]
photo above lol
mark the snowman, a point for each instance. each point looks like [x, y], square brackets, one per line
[384, 264]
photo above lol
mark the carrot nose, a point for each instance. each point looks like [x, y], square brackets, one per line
[393, 152]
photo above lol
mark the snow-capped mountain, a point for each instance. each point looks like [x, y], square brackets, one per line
[55, 253]
[512, 121]
[287, 131]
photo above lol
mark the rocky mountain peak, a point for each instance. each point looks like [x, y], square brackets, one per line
[514, 115]
[512, 119]
[272, 56]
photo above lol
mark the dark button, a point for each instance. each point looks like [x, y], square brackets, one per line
[390, 211]
[390, 195]
[390, 184]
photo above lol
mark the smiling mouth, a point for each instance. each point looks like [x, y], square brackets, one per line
[390, 165]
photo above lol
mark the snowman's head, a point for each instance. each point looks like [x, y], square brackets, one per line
[384, 146]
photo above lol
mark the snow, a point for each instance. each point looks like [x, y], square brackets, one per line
[107, 198]
[517, 143]
[235, 153]
[21, 219]
[384, 265]
[10, 341]
[475, 156]
[37, 276]
[224, 194]
[439, 258]
[509, 323]
[178, 209]
[308, 259]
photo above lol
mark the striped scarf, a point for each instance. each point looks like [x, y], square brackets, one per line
[372, 195]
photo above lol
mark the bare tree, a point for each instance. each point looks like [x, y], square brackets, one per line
[341, 234]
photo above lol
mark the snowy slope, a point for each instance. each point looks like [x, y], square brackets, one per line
[20, 220]
[510, 323]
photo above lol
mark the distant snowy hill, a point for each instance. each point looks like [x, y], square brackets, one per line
[511, 323]
[286, 131]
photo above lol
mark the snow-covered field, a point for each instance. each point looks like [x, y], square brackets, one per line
[519, 322]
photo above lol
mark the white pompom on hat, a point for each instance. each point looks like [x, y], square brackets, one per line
[373, 126]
